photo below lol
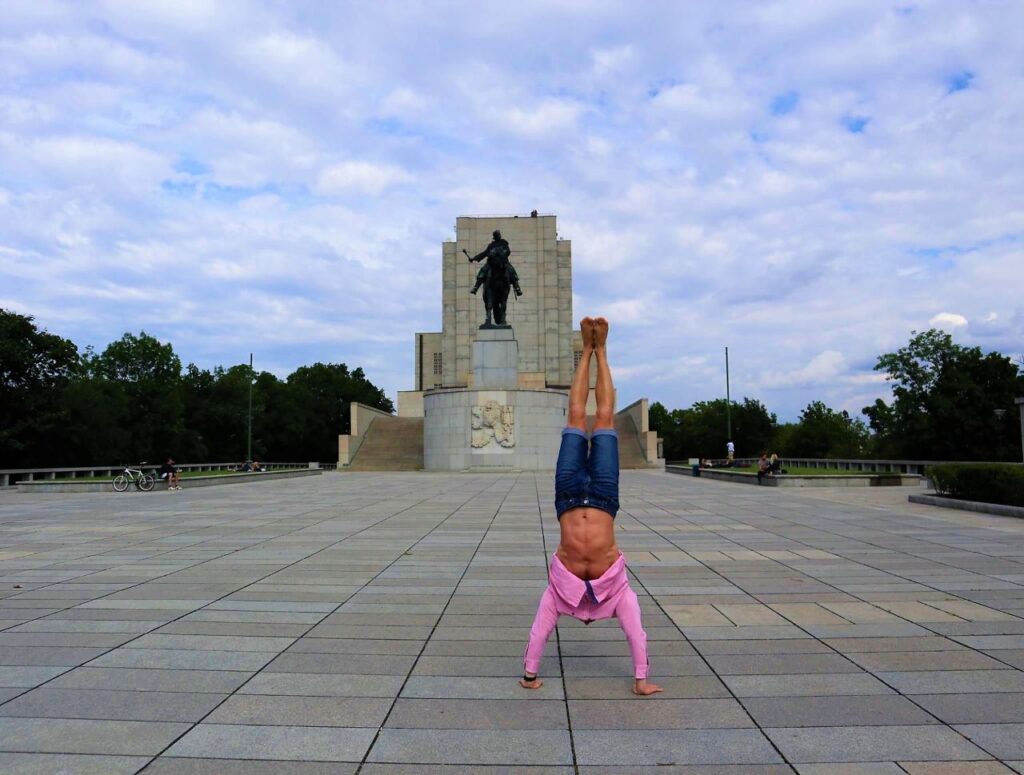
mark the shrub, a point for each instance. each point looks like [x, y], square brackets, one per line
[986, 482]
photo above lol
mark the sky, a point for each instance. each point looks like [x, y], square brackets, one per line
[803, 182]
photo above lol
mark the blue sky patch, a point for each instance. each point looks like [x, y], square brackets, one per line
[959, 81]
[855, 124]
[785, 103]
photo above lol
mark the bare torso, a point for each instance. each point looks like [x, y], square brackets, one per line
[588, 546]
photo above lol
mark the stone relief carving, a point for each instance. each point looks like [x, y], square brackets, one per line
[493, 424]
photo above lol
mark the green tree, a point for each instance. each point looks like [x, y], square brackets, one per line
[950, 402]
[825, 433]
[668, 426]
[700, 431]
[35, 366]
[319, 399]
[149, 374]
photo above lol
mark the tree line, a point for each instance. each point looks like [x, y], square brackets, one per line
[949, 402]
[133, 401]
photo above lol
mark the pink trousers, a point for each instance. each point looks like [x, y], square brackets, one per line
[589, 601]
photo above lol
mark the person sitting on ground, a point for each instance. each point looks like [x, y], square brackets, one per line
[587, 577]
[257, 467]
[763, 467]
[169, 473]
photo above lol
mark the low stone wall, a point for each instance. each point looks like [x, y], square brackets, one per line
[975, 506]
[56, 485]
[788, 480]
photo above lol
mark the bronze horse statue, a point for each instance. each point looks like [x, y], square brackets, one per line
[497, 276]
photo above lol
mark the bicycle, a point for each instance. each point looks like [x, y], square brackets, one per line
[142, 481]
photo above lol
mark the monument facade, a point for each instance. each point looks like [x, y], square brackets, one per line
[541, 317]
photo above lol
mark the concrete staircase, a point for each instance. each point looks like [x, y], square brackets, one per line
[391, 444]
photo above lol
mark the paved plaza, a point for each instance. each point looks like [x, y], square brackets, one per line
[375, 623]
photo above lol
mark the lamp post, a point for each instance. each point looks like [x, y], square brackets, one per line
[728, 400]
[248, 447]
[1020, 405]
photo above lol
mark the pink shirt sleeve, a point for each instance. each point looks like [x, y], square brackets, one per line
[543, 624]
[627, 611]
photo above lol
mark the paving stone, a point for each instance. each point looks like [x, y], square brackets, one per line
[362, 664]
[45, 702]
[267, 710]
[477, 714]
[705, 746]
[805, 685]
[993, 708]
[835, 711]
[930, 660]
[128, 738]
[781, 664]
[461, 769]
[28, 675]
[141, 680]
[285, 743]
[461, 687]
[457, 746]
[69, 764]
[170, 765]
[880, 744]
[682, 687]
[355, 646]
[955, 768]
[955, 682]
[1004, 741]
[317, 685]
[660, 714]
[689, 769]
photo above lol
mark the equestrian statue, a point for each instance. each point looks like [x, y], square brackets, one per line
[497, 276]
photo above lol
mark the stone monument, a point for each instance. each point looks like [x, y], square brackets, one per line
[494, 423]
[493, 397]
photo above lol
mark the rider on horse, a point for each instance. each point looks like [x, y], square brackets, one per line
[497, 255]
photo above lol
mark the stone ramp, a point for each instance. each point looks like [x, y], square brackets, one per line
[391, 444]
[630, 452]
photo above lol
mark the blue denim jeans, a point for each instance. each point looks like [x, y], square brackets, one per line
[587, 473]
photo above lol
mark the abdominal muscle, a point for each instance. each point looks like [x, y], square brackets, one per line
[588, 547]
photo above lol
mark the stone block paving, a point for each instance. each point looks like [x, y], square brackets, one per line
[375, 623]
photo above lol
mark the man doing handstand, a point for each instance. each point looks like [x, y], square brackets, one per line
[587, 578]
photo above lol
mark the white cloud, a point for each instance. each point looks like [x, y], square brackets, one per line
[947, 320]
[823, 368]
[360, 177]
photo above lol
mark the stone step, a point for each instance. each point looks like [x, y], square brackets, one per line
[391, 444]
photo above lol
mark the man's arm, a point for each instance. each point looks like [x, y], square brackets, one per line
[543, 625]
[627, 611]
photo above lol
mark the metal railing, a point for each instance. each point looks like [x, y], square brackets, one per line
[846, 464]
[11, 476]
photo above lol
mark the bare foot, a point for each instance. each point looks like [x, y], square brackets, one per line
[587, 329]
[536, 683]
[644, 688]
[600, 332]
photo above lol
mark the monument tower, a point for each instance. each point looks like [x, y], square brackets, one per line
[492, 397]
